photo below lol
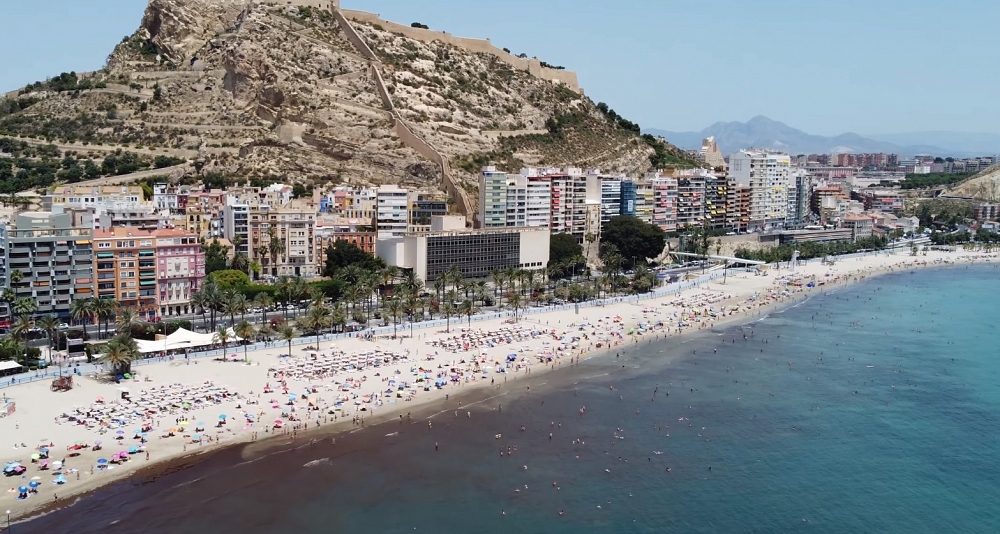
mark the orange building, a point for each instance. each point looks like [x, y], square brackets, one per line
[126, 268]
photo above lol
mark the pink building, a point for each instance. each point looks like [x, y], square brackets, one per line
[180, 268]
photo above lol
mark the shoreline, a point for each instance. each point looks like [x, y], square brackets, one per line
[437, 402]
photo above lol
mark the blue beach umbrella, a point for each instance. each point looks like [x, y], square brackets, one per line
[61, 479]
[133, 450]
[34, 484]
[196, 437]
[22, 489]
[201, 423]
[102, 461]
[223, 417]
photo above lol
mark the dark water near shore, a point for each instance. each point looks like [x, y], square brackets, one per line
[780, 434]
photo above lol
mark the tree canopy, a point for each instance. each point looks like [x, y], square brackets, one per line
[635, 239]
[230, 278]
[563, 247]
[342, 254]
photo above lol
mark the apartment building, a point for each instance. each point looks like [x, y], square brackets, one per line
[422, 209]
[93, 196]
[766, 174]
[392, 210]
[180, 268]
[738, 207]
[799, 191]
[569, 203]
[492, 198]
[629, 198]
[716, 201]
[691, 201]
[354, 231]
[294, 228]
[54, 260]
[126, 269]
[664, 210]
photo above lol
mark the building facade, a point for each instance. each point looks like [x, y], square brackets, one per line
[126, 269]
[766, 174]
[180, 268]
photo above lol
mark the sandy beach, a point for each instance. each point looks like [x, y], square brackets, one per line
[184, 408]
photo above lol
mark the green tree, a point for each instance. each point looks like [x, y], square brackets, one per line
[216, 256]
[246, 331]
[634, 239]
[563, 247]
[119, 353]
[394, 307]
[342, 254]
[222, 337]
[287, 334]
[49, 323]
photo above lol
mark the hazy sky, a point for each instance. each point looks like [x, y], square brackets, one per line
[824, 66]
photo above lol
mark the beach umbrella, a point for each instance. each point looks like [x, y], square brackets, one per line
[184, 423]
[223, 417]
[196, 437]
[97, 442]
[102, 461]
[34, 484]
[61, 479]
[133, 450]
[36, 456]
[120, 432]
[22, 489]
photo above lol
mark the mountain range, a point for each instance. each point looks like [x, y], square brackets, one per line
[762, 132]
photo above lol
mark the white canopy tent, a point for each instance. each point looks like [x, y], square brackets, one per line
[183, 339]
[9, 364]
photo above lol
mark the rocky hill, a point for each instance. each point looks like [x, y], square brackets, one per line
[983, 186]
[303, 92]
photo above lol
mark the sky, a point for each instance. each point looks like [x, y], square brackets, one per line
[823, 66]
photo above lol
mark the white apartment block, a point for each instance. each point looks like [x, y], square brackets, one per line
[766, 174]
[392, 210]
[518, 200]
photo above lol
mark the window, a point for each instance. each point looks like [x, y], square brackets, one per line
[104, 244]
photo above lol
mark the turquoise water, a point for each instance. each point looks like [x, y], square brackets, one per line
[874, 408]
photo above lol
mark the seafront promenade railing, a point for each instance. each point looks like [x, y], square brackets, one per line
[403, 328]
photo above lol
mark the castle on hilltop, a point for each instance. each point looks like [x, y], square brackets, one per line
[327, 4]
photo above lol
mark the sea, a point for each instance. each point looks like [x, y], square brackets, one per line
[873, 407]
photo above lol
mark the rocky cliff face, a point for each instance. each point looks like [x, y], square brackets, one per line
[278, 91]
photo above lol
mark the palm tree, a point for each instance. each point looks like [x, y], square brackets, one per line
[287, 333]
[222, 336]
[24, 306]
[514, 300]
[498, 278]
[468, 308]
[299, 288]
[233, 302]
[410, 303]
[119, 353]
[213, 297]
[246, 331]
[338, 316]
[127, 318]
[255, 268]
[105, 311]
[263, 301]
[448, 309]
[412, 282]
[50, 323]
[318, 317]
[389, 274]
[80, 309]
[276, 247]
[394, 307]
[240, 262]
[439, 285]
[352, 294]
[19, 329]
[198, 302]
[262, 252]
[265, 332]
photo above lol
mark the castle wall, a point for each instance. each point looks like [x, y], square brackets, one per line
[532, 65]
[359, 44]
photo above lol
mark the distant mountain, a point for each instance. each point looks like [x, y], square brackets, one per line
[979, 143]
[762, 132]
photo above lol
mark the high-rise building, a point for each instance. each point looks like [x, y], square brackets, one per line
[766, 174]
[55, 262]
[711, 154]
[569, 203]
[422, 209]
[492, 198]
[799, 190]
[690, 201]
[664, 210]
[716, 201]
[629, 199]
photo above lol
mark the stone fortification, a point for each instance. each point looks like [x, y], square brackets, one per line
[532, 65]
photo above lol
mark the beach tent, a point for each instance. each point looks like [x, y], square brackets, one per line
[183, 339]
[4, 366]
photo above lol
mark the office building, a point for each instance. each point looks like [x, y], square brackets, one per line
[476, 253]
